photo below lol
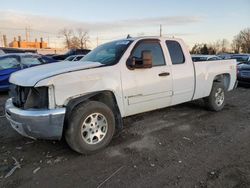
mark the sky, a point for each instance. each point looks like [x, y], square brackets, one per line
[196, 21]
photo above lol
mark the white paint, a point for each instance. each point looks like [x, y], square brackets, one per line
[30, 76]
[136, 91]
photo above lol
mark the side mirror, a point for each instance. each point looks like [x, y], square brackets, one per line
[145, 61]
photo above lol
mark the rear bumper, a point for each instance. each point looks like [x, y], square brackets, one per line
[34, 123]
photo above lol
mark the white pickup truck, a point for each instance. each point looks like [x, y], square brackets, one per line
[85, 101]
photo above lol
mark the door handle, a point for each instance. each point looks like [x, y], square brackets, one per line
[164, 74]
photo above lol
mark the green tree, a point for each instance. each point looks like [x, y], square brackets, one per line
[204, 50]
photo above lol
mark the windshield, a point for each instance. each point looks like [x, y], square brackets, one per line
[109, 53]
[31, 60]
[8, 63]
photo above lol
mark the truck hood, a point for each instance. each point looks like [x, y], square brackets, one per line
[29, 77]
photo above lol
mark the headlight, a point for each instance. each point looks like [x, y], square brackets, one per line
[29, 97]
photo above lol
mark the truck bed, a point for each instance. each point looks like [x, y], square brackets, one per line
[206, 71]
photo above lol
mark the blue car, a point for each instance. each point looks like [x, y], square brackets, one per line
[10, 63]
[243, 75]
[241, 58]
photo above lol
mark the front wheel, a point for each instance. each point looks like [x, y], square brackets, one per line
[91, 127]
[216, 100]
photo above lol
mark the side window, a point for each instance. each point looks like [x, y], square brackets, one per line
[78, 58]
[175, 51]
[156, 50]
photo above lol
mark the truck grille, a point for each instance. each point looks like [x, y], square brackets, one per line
[29, 97]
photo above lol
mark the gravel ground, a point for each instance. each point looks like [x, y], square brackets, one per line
[181, 146]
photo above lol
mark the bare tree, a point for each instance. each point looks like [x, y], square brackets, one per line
[83, 37]
[241, 42]
[67, 33]
[75, 43]
[224, 46]
[245, 39]
[236, 44]
[220, 46]
[75, 39]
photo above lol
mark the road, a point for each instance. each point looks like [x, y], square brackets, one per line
[181, 146]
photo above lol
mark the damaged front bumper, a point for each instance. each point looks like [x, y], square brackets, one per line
[36, 123]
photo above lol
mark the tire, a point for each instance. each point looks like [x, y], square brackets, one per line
[216, 100]
[91, 127]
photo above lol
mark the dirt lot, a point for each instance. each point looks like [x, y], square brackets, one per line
[182, 146]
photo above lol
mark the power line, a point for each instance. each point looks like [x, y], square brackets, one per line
[28, 28]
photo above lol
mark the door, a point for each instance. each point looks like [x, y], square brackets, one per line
[182, 72]
[148, 88]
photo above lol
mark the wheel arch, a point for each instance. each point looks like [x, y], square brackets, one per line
[107, 97]
[223, 78]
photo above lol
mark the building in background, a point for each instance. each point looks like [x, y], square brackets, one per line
[22, 46]
[28, 44]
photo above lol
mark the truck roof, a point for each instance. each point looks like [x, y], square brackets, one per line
[153, 37]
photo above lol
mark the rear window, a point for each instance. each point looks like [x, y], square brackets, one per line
[175, 51]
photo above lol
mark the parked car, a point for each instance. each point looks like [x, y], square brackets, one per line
[196, 58]
[243, 75]
[70, 53]
[241, 58]
[10, 63]
[87, 100]
[2, 52]
[74, 58]
[225, 56]
[17, 50]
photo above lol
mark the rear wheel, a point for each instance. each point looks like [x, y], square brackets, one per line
[91, 127]
[216, 100]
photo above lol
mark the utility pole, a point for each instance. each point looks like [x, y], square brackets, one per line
[97, 41]
[48, 40]
[26, 34]
[160, 30]
[1, 40]
[29, 31]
